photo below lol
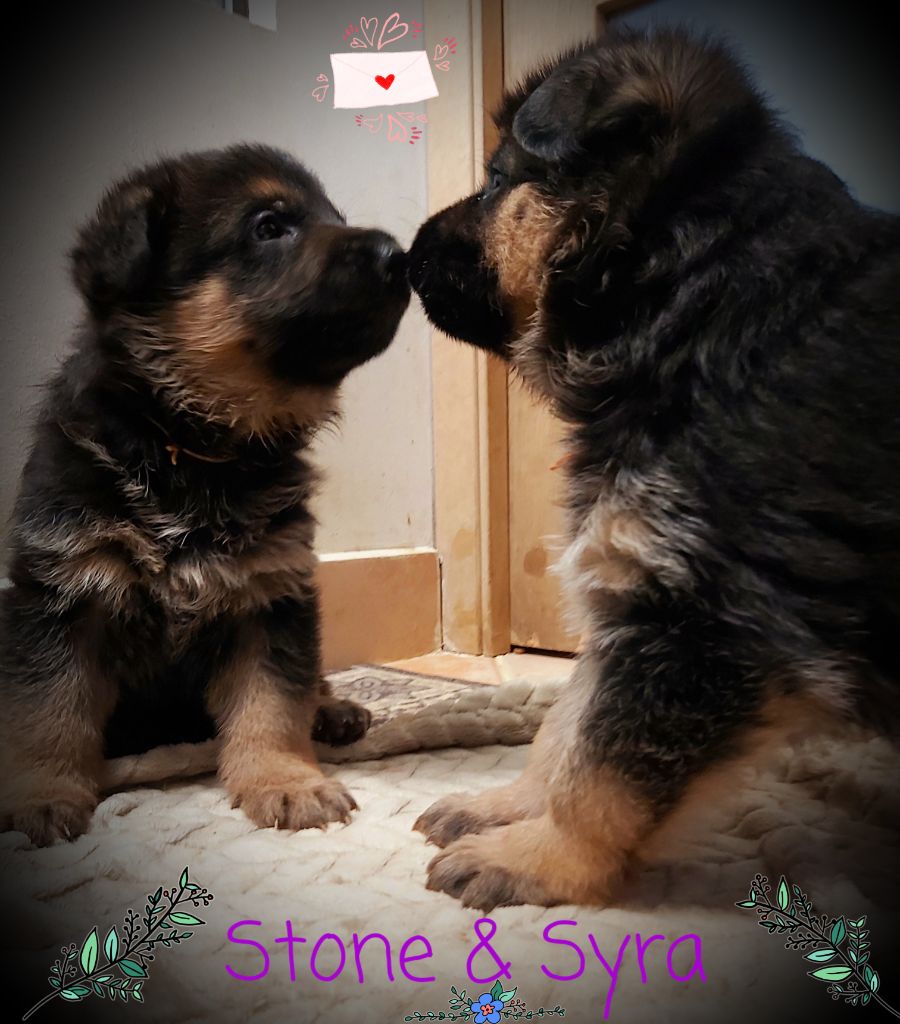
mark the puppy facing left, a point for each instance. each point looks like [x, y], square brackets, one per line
[162, 561]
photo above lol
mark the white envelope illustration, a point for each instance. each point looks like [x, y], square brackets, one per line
[382, 79]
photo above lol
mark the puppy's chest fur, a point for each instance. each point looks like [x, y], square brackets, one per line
[237, 575]
[623, 534]
[197, 557]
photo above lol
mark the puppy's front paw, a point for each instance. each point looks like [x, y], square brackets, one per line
[471, 871]
[50, 812]
[452, 817]
[339, 722]
[533, 861]
[293, 797]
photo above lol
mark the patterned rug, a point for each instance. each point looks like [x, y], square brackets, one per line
[410, 712]
[389, 692]
[822, 812]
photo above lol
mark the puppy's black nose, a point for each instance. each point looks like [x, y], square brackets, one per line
[396, 269]
[390, 259]
[379, 251]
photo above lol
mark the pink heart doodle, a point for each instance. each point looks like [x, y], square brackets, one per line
[393, 30]
[358, 44]
[320, 93]
[440, 52]
[444, 65]
[321, 78]
[364, 27]
[396, 131]
[372, 123]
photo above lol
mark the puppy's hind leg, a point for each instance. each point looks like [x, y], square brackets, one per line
[669, 699]
[54, 702]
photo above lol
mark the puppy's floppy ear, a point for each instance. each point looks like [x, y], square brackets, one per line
[574, 111]
[119, 251]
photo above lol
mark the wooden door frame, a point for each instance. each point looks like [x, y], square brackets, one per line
[470, 387]
[607, 8]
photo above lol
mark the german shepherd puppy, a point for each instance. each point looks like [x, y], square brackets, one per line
[718, 323]
[162, 569]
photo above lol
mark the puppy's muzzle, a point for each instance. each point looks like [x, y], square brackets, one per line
[376, 251]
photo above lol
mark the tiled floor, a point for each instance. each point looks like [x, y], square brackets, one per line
[489, 670]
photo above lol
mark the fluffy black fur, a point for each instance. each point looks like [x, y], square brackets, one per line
[163, 526]
[718, 322]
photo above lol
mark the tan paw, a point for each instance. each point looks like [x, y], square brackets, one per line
[469, 870]
[304, 799]
[534, 861]
[48, 813]
[454, 816]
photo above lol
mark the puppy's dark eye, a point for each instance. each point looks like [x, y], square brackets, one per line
[267, 226]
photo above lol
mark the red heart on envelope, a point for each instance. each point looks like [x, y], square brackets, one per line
[385, 83]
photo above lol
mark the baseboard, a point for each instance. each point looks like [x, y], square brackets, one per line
[380, 605]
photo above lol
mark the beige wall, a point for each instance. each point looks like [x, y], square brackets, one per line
[93, 88]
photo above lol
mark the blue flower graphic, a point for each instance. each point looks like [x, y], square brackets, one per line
[486, 1010]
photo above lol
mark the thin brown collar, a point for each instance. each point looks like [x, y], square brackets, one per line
[175, 450]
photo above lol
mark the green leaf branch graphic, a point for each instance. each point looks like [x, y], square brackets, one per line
[841, 945]
[122, 975]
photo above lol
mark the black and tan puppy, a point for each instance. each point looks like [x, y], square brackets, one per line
[718, 322]
[162, 570]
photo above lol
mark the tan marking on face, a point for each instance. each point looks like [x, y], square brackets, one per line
[267, 188]
[203, 351]
[520, 238]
